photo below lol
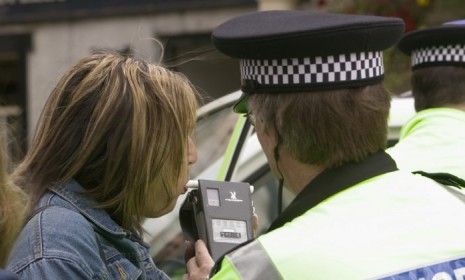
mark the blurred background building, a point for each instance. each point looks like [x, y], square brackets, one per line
[40, 39]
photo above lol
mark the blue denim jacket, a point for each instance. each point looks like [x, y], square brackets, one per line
[6, 275]
[71, 239]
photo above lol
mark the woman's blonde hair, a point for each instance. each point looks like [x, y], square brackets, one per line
[120, 127]
[13, 207]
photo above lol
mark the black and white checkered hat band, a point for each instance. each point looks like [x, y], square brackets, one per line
[314, 70]
[441, 54]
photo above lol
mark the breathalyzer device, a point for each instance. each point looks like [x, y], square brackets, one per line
[220, 213]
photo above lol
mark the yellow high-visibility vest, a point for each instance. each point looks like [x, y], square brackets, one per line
[432, 141]
[393, 226]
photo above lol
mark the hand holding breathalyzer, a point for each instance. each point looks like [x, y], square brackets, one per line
[200, 265]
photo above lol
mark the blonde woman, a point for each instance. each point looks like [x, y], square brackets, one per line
[112, 147]
[12, 210]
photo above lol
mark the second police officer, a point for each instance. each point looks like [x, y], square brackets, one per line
[434, 139]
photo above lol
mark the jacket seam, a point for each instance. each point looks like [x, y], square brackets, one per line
[38, 237]
[49, 201]
[39, 233]
[41, 228]
[20, 269]
[100, 251]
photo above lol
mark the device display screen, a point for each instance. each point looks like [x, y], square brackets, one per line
[229, 231]
[213, 197]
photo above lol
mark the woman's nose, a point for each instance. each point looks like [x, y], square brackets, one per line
[191, 152]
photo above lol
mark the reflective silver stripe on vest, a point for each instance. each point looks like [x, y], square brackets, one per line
[252, 262]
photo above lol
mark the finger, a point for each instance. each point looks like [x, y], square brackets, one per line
[191, 266]
[255, 224]
[190, 251]
[202, 255]
[197, 271]
[185, 277]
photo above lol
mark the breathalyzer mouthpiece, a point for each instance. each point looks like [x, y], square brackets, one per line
[192, 184]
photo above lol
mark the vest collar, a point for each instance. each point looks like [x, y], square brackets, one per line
[332, 181]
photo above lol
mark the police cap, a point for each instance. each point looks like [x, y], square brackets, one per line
[438, 46]
[296, 51]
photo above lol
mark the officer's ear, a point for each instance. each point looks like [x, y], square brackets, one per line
[261, 118]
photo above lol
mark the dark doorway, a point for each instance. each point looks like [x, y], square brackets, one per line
[13, 94]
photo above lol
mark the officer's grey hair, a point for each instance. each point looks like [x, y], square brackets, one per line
[327, 127]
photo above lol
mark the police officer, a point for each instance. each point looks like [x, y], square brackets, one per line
[434, 139]
[312, 84]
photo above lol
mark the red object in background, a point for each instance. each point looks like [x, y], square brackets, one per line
[411, 11]
[321, 3]
[406, 15]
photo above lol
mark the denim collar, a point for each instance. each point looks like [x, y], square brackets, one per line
[73, 193]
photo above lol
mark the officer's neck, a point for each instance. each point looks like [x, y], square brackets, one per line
[297, 175]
